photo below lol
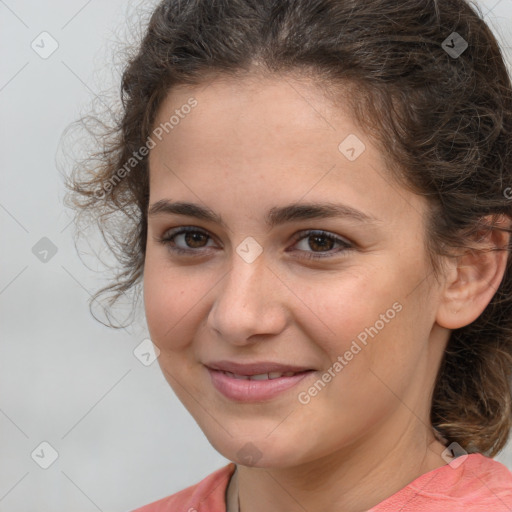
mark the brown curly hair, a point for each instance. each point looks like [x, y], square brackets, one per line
[443, 122]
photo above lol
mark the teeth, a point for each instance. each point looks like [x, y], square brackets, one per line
[233, 376]
[261, 376]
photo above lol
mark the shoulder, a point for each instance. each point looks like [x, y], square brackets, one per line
[480, 477]
[471, 483]
[492, 481]
[206, 496]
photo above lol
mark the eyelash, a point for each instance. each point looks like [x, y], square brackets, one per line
[168, 240]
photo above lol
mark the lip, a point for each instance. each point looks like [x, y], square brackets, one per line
[255, 390]
[255, 368]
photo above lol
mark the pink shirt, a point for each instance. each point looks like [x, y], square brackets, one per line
[479, 484]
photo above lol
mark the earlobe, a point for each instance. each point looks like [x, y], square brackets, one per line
[473, 278]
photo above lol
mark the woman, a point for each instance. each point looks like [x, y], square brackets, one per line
[316, 205]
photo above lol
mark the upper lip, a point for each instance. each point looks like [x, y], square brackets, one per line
[256, 368]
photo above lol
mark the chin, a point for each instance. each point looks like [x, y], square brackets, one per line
[258, 451]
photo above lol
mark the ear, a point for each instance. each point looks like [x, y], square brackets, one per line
[473, 278]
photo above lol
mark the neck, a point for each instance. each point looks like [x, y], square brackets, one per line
[353, 479]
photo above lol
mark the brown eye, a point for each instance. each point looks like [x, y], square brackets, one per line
[194, 239]
[319, 244]
[185, 240]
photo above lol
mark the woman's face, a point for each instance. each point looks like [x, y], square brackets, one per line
[353, 303]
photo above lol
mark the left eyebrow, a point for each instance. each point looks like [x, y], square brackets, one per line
[275, 216]
[306, 211]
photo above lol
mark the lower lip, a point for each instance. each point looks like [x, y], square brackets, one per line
[243, 390]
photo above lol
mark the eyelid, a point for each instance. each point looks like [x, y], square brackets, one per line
[178, 230]
[305, 233]
[345, 245]
[169, 234]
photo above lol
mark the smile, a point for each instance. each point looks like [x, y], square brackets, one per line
[255, 388]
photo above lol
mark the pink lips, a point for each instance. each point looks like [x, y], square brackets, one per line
[244, 390]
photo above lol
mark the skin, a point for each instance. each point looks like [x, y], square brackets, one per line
[249, 145]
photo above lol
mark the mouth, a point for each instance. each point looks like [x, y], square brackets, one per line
[256, 382]
[263, 376]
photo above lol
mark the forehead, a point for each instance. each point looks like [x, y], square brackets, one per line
[282, 102]
[268, 136]
[265, 120]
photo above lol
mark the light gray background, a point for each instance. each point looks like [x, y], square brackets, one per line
[122, 437]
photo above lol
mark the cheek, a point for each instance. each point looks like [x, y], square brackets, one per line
[364, 319]
[171, 296]
[176, 300]
[340, 307]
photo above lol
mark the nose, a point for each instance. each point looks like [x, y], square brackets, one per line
[249, 303]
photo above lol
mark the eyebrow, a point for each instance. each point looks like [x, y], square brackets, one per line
[274, 217]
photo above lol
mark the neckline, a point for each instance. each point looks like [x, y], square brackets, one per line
[233, 505]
